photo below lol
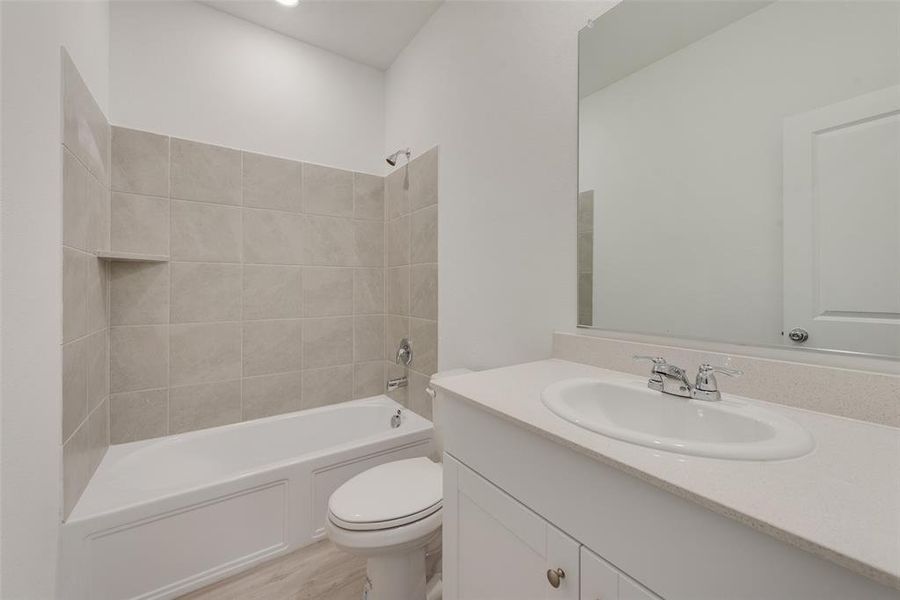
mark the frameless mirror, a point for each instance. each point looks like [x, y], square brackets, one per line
[739, 173]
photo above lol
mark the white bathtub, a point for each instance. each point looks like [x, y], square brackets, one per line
[165, 516]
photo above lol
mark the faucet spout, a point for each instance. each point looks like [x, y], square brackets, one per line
[667, 378]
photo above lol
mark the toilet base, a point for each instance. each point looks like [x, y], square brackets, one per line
[398, 576]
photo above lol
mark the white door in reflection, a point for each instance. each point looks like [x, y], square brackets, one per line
[842, 224]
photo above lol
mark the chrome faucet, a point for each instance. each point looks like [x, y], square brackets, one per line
[670, 379]
[667, 378]
[706, 387]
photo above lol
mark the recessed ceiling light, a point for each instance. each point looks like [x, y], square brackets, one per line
[288, 2]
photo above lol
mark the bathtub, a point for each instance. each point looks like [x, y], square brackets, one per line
[166, 516]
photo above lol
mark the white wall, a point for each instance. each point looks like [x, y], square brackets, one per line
[32, 33]
[187, 70]
[494, 84]
[684, 157]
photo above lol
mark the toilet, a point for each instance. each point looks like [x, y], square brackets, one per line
[388, 515]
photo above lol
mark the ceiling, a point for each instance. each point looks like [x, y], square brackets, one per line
[635, 34]
[372, 32]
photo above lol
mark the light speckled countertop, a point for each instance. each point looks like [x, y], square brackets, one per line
[841, 501]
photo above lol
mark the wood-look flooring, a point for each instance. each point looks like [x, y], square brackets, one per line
[317, 572]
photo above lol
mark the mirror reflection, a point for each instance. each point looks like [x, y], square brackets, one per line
[739, 173]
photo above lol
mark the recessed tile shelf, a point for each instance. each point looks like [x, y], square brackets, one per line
[130, 256]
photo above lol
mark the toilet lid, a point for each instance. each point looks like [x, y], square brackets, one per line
[389, 495]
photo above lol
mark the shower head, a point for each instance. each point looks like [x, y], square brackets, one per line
[392, 159]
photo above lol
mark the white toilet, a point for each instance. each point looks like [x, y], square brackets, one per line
[388, 514]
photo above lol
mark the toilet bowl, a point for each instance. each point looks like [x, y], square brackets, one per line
[388, 515]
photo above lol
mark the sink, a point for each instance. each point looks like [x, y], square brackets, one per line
[627, 410]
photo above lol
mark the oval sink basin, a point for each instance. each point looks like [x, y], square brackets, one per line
[629, 411]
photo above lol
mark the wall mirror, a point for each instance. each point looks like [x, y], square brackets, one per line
[739, 173]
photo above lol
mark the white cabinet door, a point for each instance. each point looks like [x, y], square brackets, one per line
[496, 549]
[601, 581]
[842, 224]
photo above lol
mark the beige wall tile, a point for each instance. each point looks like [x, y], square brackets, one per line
[396, 192]
[74, 289]
[423, 292]
[368, 243]
[585, 212]
[138, 358]
[368, 291]
[329, 241]
[139, 224]
[205, 292]
[398, 242]
[272, 292]
[271, 182]
[585, 298]
[327, 386]
[424, 235]
[204, 352]
[139, 293]
[85, 129]
[419, 401]
[74, 386]
[274, 237]
[423, 339]
[140, 162]
[82, 453]
[423, 180]
[204, 405]
[327, 191]
[585, 258]
[368, 379]
[368, 196]
[271, 395]
[205, 173]
[204, 232]
[76, 462]
[327, 342]
[138, 415]
[368, 337]
[272, 346]
[97, 301]
[327, 291]
[398, 291]
[84, 207]
[397, 328]
[97, 368]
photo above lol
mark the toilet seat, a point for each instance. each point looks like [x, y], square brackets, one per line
[391, 495]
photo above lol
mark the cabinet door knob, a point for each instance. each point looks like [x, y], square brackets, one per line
[554, 576]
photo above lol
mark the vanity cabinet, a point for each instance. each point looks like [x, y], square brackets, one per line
[601, 581]
[496, 548]
[499, 548]
[517, 504]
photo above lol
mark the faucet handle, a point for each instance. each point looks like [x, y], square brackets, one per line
[708, 369]
[656, 360]
[706, 387]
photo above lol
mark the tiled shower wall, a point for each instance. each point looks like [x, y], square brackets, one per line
[412, 276]
[585, 258]
[273, 299]
[85, 201]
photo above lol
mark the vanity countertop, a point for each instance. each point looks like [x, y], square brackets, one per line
[841, 501]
